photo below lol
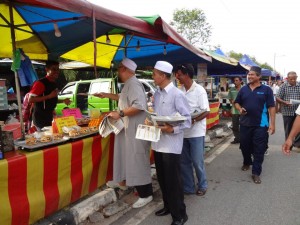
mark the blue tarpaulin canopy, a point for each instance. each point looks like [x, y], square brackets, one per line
[246, 62]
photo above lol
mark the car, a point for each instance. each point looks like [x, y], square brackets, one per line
[81, 95]
[148, 84]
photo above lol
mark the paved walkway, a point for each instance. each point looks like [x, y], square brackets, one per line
[233, 198]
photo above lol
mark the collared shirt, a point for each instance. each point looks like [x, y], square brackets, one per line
[256, 103]
[287, 92]
[233, 92]
[198, 101]
[168, 102]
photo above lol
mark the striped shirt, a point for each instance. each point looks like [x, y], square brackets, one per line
[168, 102]
[287, 92]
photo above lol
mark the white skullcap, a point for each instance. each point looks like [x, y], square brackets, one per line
[129, 64]
[164, 66]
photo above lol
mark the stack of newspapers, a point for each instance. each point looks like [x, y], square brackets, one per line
[110, 125]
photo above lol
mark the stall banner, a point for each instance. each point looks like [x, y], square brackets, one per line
[36, 184]
[213, 117]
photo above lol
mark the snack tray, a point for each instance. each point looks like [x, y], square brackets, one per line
[82, 135]
[39, 145]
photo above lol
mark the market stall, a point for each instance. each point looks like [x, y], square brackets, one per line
[35, 184]
[213, 117]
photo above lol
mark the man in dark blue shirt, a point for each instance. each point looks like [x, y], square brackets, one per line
[255, 103]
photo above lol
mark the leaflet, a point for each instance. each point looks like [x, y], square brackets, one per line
[294, 101]
[148, 133]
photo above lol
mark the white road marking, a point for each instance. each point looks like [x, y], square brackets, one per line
[144, 213]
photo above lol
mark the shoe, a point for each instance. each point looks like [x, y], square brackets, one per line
[162, 212]
[114, 185]
[297, 149]
[200, 192]
[234, 142]
[267, 152]
[256, 179]
[245, 167]
[180, 222]
[142, 202]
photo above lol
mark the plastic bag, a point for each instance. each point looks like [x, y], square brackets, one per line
[11, 119]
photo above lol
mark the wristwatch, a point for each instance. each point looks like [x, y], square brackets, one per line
[121, 113]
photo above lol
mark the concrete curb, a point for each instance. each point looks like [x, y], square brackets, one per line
[83, 209]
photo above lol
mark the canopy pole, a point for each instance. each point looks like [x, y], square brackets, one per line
[95, 45]
[13, 39]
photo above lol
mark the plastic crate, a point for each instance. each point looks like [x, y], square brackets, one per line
[15, 128]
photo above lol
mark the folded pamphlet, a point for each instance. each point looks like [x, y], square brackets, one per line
[148, 133]
[294, 101]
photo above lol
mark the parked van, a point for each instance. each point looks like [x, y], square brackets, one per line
[81, 95]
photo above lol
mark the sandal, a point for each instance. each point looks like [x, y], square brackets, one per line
[200, 192]
[245, 167]
[256, 179]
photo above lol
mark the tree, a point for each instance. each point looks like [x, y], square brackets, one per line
[238, 56]
[192, 25]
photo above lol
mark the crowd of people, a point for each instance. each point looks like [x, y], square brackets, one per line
[180, 150]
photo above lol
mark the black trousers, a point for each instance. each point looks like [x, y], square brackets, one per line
[288, 122]
[236, 126]
[144, 191]
[170, 182]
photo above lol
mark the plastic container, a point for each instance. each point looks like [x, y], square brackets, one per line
[15, 128]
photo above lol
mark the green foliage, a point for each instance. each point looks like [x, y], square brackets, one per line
[192, 25]
[238, 56]
[235, 55]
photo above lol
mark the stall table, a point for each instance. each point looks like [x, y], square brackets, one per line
[34, 185]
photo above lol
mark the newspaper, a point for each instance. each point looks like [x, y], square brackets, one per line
[148, 133]
[197, 113]
[294, 101]
[110, 125]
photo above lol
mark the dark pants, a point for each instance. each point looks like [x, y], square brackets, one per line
[288, 122]
[144, 191]
[169, 179]
[254, 141]
[236, 126]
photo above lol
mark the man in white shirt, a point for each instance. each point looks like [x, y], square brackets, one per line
[193, 143]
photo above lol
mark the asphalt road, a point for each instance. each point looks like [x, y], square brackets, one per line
[232, 197]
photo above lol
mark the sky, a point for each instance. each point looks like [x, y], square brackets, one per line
[266, 30]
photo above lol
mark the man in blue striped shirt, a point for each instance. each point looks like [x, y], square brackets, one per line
[255, 102]
[168, 101]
